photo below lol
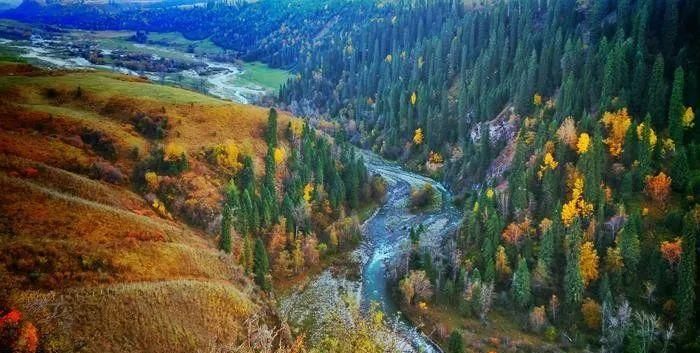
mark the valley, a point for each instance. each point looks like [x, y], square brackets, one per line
[342, 176]
[166, 58]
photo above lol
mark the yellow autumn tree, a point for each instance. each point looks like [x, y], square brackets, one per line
[227, 155]
[688, 118]
[502, 266]
[151, 180]
[617, 124]
[418, 136]
[296, 126]
[584, 143]
[576, 206]
[308, 192]
[414, 98]
[173, 151]
[588, 263]
[279, 155]
[652, 135]
[613, 260]
[435, 157]
[548, 163]
[537, 100]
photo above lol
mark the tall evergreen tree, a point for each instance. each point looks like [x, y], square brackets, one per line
[630, 247]
[656, 95]
[675, 109]
[271, 130]
[680, 171]
[522, 290]
[573, 281]
[455, 344]
[261, 265]
[685, 295]
[225, 239]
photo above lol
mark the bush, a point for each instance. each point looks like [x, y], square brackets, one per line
[101, 144]
[423, 197]
[107, 172]
[378, 188]
[151, 127]
[550, 333]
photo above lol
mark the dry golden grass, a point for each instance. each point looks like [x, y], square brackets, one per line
[91, 263]
[44, 149]
[168, 316]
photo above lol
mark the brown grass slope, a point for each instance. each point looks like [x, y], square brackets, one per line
[91, 263]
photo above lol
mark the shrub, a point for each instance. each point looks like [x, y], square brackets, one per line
[538, 317]
[101, 144]
[226, 155]
[151, 127]
[550, 333]
[107, 172]
[422, 197]
[378, 188]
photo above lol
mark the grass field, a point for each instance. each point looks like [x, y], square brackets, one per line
[89, 261]
[174, 45]
[261, 74]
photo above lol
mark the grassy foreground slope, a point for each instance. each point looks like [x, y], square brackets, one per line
[87, 259]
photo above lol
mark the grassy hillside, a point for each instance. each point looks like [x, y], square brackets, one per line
[92, 264]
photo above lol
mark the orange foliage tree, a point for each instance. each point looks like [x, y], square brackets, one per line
[591, 312]
[672, 251]
[512, 234]
[658, 187]
[16, 334]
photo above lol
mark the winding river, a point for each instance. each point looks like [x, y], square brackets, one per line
[322, 302]
[386, 234]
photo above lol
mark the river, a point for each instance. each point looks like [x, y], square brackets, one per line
[219, 79]
[385, 238]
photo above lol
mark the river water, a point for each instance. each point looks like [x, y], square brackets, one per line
[220, 80]
[386, 236]
[322, 302]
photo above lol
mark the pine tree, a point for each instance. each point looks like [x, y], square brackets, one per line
[675, 109]
[522, 290]
[261, 266]
[685, 295]
[629, 247]
[455, 344]
[271, 130]
[573, 281]
[246, 177]
[546, 254]
[225, 240]
[247, 255]
[656, 95]
[489, 247]
[680, 170]
[645, 149]
[517, 181]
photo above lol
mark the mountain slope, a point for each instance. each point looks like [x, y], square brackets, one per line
[92, 264]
